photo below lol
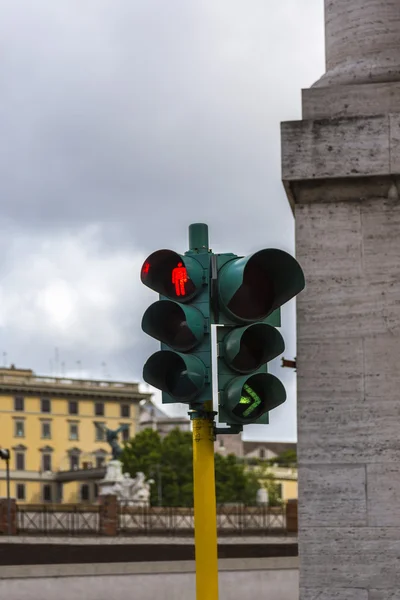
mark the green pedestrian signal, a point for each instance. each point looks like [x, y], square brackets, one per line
[180, 321]
[247, 297]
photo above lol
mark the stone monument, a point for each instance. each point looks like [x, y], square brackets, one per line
[129, 491]
[262, 497]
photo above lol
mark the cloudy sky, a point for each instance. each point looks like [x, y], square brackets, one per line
[122, 122]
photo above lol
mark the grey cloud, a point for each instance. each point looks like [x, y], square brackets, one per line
[139, 118]
[146, 114]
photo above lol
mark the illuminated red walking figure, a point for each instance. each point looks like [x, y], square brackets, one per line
[179, 278]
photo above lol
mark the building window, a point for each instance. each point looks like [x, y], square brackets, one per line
[74, 462]
[96, 490]
[99, 409]
[19, 403]
[125, 411]
[45, 405]
[125, 435]
[100, 435]
[99, 462]
[20, 461]
[47, 496]
[73, 407]
[59, 492]
[46, 462]
[85, 492]
[19, 429]
[46, 430]
[221, 443]
[262, 452]
[20, 491]
[73, 431]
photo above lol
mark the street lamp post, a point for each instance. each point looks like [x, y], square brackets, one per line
[5, 455]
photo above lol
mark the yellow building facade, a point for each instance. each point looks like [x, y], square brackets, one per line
[53, 429]
[286, 479]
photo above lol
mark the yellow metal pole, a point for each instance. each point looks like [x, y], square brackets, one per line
[205, 511]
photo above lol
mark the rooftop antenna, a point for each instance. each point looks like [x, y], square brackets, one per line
[56, 362]
[105, 372]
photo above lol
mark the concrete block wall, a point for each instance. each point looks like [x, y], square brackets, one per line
[341, 171]
[349, 399]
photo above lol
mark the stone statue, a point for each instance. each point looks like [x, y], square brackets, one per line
[111, 437]
[133, 492]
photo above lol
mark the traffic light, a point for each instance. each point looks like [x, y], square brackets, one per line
[180, 321]
[247, 299]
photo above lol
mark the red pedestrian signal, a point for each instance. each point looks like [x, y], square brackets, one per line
[180, 279]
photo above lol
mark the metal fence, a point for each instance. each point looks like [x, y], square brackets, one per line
[232, 520]
[53, 519]
[75, 519]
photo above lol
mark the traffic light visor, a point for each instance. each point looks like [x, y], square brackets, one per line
[180, 376]
[180, 327]
[251, 288]
[172, 275]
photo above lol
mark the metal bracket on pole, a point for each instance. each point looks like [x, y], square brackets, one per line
[214, 288]
[202, 414]
[231, 429]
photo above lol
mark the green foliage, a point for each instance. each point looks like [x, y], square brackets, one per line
[169, 461]
[177, 471]
[286, 459]
[233, 484]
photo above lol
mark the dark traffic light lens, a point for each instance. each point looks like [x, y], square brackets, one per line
[255, 297]
[246, 349]
[251, 353]
[252, 287]
[178, 383]
[179, 326]
[180, 376]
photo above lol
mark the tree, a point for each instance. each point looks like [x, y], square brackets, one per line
[177, 468]
[171, 459]
[143, 453]
[233, 483]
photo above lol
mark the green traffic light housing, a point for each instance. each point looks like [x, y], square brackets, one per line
[180, 320]
[246, 350]
[243, 297]
[249, 293]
